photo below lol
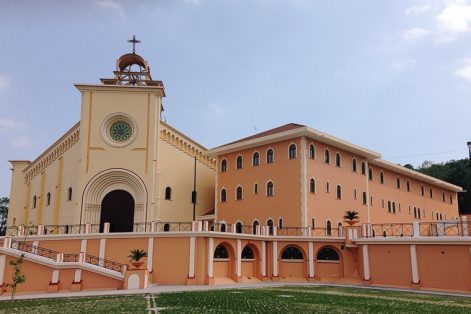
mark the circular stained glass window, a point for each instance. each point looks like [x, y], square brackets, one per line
[120, 131]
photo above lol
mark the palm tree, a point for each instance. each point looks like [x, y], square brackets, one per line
[351, 217]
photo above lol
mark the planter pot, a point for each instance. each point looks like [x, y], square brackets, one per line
[137, 264]
[351, 222]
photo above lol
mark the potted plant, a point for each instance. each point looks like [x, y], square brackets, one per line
[136, 256]
[351, 217]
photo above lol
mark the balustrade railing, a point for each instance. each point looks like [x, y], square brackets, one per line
[64, 229]
[101, 262]
[67, 257]
[173, 227]
[33, 249]
[416, 229]
[445, 228]
[391, 230]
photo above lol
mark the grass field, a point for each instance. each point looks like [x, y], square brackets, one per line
[267, 300]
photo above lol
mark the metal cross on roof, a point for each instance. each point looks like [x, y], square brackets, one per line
[134, 41]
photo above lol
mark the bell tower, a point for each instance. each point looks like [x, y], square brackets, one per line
[119, 128]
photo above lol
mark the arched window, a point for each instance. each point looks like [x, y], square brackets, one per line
[256, 159]
[292, 252]
[398, 182]
[328, 229]
[354, 194]
[239, 193]
[168, 193]
[313, 223]
[247, 253]
[327, 156]
[370, 174]
[222, 227]
[270, 226]
[338, 161]
[443, 196]
[270, 156]
[48, 198]
[221, 252]
[166, 227]
[223, 165]
[394, 207]
[327, 187]
[415, 212]
[312, 151]
[408, 186]
[389, 207]
[238, 227]
[354, 165]
[431, 192]
[35, 201]
[69, 194]
[270, 188]
[255, 188]
[451, 199]
[441, 217]
[312, 185]
[280, 223]
[339, 192]
[292, 151]
[327, 254]
[418, 213]
[254, 226]
[223, 195]
[381, 177]
[239, 162]
[363, 168]
[364, 199]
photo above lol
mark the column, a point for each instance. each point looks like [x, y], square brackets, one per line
[238, 260]
[210, 257]
[2, 268]
[275, 258]
[311, 260]
[101, 253]
[191, 266]
[263, 266]
[150, 253]
[414, 266]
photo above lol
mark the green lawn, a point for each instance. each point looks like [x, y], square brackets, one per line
[268, 300]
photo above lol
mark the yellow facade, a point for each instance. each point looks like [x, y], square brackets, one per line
[67, 183]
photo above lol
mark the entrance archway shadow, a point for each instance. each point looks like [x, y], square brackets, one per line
[117, 208]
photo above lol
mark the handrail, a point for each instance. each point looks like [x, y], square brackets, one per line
[67, 257]
[101, 262]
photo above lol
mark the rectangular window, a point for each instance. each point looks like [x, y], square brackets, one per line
[255, 188]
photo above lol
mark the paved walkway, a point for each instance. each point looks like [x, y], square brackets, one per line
[163, 289]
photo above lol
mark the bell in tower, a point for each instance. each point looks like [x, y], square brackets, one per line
[132, 70]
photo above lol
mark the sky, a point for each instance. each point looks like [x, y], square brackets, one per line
[393, 76]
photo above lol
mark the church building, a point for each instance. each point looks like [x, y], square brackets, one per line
[120, 163]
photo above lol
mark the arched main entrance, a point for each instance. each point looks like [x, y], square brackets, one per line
[117, 208]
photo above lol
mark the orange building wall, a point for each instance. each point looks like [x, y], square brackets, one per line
[285, 174]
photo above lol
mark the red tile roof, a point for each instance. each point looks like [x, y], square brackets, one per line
[283, 128]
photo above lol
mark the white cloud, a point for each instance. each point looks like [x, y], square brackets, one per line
[7, 124]
[4, 82]
[112, 7]
[453, 20]
[405, 65]
[418, 10]
[22, 141]
[465, 71]
[415, 33]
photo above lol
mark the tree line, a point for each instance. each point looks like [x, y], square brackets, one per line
[457, 172]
